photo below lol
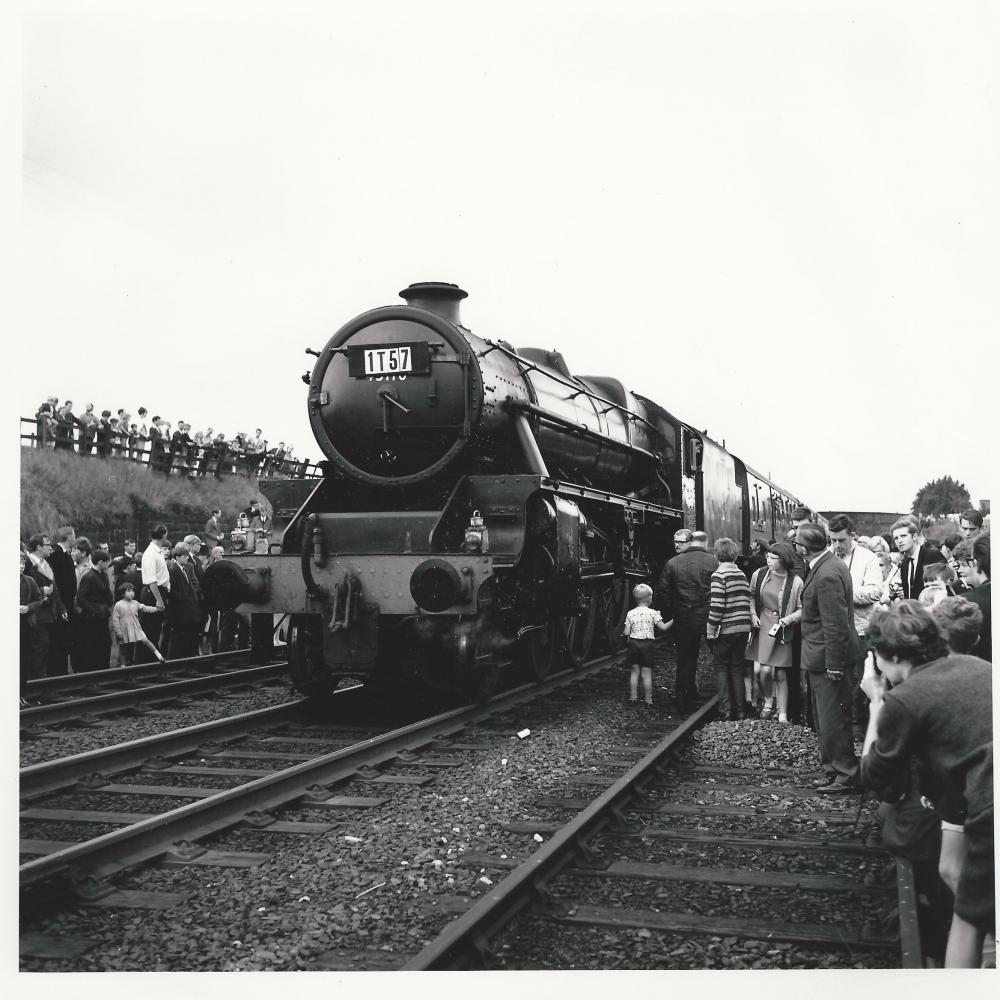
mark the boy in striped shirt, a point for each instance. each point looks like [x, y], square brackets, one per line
[728, 629]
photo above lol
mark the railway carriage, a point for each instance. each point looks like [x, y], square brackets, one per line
[481, 505]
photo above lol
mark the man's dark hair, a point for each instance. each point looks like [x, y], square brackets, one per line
[63, 533]
[952, 541]
[35, 541]
[907, 632]
[83, 544]
[974, 517]
[802, 514]
[128, 541]
[812, 536]
[100, 556]
[841, 522]
[160, 531]
[960, 622]
[981, 553]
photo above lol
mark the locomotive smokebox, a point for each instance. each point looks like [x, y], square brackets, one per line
[441, 297]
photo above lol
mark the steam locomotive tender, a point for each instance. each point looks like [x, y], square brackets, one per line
[480, 505]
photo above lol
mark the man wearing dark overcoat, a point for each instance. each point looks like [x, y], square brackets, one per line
[684, 591]
[830, 645]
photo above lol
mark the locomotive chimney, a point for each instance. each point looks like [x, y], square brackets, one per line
[441, 297]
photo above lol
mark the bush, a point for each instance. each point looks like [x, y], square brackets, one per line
[60, 488]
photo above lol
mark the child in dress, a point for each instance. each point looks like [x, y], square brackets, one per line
[125, 624]
[938, 580]
[639, 625]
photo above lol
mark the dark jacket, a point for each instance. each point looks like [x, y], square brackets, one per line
[31, 597]
[685, 587]
[942, 716]
[51, 610]
[94, 596]
[182, 608]
[980, 596]
[925, 557]
[65, 575]
[829, 638]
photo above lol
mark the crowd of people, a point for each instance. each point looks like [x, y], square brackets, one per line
[151, 441]
[84, 608]
[883, 640]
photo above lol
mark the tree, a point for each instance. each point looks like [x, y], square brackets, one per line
[940, 497]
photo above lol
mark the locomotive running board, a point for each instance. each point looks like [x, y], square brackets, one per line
[576, 491]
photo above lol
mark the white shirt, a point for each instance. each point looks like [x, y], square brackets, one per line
[154, 567]
[866, 579]
[640, 622]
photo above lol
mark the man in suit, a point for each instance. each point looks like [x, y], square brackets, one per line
[829, 646]
[51, 616]
[64, 574]
[971, 525]
[684, 591]
[96, 600]
[183, 612]
[974, 568]
[906, 536]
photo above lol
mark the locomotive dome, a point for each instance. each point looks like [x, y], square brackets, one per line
[396, 391]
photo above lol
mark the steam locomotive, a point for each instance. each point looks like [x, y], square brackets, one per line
[480, 506]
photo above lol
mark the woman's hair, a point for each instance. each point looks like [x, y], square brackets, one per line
[785, 554]
[725, 550]
[960, 622]
[938, 571]
[878, 544]
[907, 632]
[642, 592]
[952, 540]
[122, 587]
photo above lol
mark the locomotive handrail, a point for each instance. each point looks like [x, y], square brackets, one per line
[612, 405]
[574, 428]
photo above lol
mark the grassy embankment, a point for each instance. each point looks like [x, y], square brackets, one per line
[60, 488]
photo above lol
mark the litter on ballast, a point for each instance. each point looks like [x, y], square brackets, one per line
[352, 840]
[503, 761]
[303, 899]
[261, 909]
[486, 881]
[371, 888]
[538, 838]
[456, 829]
[524, 734]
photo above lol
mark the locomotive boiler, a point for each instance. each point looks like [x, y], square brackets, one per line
[481, 505]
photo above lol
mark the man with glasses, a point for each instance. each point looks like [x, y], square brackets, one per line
[684, 591]
[974, 568]
[829, 648]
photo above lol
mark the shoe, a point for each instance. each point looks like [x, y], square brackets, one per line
[825, 781]
[783, 720]
[840, 788]
[734, 717]
[769, 710]
[633, 702]
[647, 704]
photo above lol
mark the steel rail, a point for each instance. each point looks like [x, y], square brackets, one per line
[139, 842]
[463, 943]
[117, 700]
[139, 671]
[53, 775]
[911, 951]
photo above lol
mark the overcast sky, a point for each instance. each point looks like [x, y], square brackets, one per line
[778, 220]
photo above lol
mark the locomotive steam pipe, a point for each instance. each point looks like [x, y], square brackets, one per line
[312, 542]
[536, 464]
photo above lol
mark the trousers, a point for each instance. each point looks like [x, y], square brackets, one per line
[728, 651]
[688, 642]
[832, 712]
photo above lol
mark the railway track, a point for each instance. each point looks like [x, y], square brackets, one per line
[221, 794]
[257, 780]
[84, 697]
[571, 881]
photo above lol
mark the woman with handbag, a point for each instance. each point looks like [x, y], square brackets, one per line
[775, 611]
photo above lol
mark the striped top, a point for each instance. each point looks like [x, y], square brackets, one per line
[729, 609]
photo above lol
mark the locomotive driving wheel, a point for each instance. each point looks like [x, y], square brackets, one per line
[541, 646]
[305, 655]
[480, 672]
[578, 630]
